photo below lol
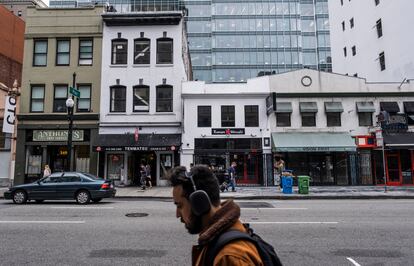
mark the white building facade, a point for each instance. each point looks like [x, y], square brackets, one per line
[370, 39]
[144, 62]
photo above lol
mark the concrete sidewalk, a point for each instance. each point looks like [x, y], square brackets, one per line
[316, 192]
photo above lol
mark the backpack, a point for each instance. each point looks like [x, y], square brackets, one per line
[266, 251]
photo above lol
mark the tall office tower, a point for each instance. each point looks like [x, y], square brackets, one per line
[233, 40]
[371, 39]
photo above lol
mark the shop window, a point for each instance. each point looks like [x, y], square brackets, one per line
[166, 164]
[84, 101]
[283, 119]
[2, 137]
[62, 52]
[34, 160]
[164, 51]
[308, 119]
[60, 97]
[82, 158]
[119, 52]
[40, 53]
[164, 101]
[333, 119]
[141, 98]
[227, 116]
[37, 98]
[142, 51]
[365, 171]
[118, 99]
[85, 52]
[341, 168]
[251, 115]
[115, 166]
[406, 172]
[365, 119]
[204, 116]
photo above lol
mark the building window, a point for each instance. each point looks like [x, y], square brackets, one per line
[2, 137]
[251, 115]
[62, 52]
[333, 119]
[345, 52]
[118, 99]
[119, 52]
[40, 53]
[227, 116]
[84, 100]
[164, 101]
[142, 51]
[204, 116]
[37, 98]
[85, 52]
[60, 97]
[379, 28]
[141, 98]
[351, 23]
[353, 50]
[365, 119]
[308, 119]
[164, 51]
[377, 2]
[283, 119]
[382, 61]
[343, 25]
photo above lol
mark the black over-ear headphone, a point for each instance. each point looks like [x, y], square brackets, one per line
[199, 199]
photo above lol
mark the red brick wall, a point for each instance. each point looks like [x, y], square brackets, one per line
[11, 35]
[9, 71]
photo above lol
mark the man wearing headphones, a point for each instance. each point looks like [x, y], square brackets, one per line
[197, 198]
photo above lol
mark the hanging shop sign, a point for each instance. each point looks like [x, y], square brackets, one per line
[134, 148]
[227, 131]
[57, 135]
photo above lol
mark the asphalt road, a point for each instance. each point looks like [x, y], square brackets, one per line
[310, 232]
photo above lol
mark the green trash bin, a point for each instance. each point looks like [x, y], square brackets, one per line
[303, 184]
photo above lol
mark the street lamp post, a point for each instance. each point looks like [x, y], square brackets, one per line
[69, 104]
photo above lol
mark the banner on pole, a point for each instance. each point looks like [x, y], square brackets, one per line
[9, 115]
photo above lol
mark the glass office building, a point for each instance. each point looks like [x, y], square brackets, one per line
[233, 40]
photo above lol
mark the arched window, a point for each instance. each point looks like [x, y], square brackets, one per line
[142, 49]
[141, 98]
[165, 51]
[119, 52]
[164, 101]
[118, 98]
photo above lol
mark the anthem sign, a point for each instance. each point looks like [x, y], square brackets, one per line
[57, 135]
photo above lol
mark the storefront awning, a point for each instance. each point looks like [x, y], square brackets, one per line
[143, 142]
[308, 107]
[333, 107]
[365, 107]
[408, 107]
[312, 142]
[399, 140]
[283, 107]
[390, 107]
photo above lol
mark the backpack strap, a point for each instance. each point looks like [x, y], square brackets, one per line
[217, 244]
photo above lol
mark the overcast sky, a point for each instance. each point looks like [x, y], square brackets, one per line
[46, 2]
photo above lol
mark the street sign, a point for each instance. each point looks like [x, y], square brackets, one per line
[74, 92]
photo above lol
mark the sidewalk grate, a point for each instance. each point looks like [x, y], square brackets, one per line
[127, 253]
[136, 214]
[245, 205]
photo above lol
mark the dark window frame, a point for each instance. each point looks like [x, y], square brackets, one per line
[352, 23]
[381, 60]
[228, 116]
[333, 119]
[62, 53]
[133, 98]
[345, 52]
[165, 39]
[80, 53]
[310, 119]
[119, 41]
[254, 115]
[204, 116]
[283, 119]
[37, 99]
[353, 50]
[377, 2]
[147, 54]
[82, 110]
[360, 115]
[60, 100]
[343, 25]
[378, 26]
[40, 54]
[112, 101]
[3, 137]
[159, 100]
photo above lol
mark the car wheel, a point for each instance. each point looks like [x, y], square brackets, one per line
[19, 197]
[83, 197]
[97, 200]
[39, 201]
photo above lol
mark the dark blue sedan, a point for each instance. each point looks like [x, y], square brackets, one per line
[82, 187]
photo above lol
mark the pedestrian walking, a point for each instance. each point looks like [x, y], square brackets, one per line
[279, 167]
[143, 174]
[148, 175]
[47, 171]
[232, 176]
[223, 239]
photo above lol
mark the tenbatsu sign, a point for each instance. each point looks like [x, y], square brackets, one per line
[57, 135]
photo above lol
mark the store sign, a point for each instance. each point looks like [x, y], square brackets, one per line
[134, 148]
[394, 123]
[57, 135]
[227, 131]
[9, 115]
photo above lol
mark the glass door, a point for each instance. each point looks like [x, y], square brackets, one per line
[393, 168]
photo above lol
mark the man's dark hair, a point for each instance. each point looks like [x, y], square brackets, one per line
[203, 177]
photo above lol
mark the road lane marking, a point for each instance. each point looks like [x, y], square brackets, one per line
[42, 222]
[253, 222]
[103, 208]
[353, 262]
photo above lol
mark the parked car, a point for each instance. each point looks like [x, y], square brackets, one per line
[82, 187]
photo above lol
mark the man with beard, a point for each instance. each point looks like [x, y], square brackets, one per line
[209, 218]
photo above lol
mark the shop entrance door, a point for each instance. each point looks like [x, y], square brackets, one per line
[248, 167]
[393, 168]
[321, 169]
[146, 157]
